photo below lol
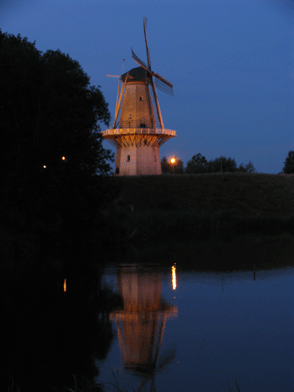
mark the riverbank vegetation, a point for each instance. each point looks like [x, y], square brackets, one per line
[199, 207]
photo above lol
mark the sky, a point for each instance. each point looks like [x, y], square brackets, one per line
[231, 63]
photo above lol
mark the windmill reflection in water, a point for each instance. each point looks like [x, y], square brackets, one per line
[141, 322]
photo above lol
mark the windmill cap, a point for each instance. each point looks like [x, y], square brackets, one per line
[138, 74]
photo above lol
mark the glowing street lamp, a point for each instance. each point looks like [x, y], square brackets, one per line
[173, 161]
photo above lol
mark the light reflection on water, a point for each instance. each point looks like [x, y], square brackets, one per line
[213, 329]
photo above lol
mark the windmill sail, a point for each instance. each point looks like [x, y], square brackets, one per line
[147, 49]
[140, 62]
[153, 99]
[161, 83]
[163, 86]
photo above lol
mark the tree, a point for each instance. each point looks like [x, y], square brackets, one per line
[289, 163]
[178, 167]
[222, 164]
[49, 110]
[53, 161]
[198, 164]
[249, 168]
[165, 166]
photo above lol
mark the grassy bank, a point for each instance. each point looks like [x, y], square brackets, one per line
[246, 194]
[201, 206]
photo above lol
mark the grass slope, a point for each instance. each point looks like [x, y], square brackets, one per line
[199, 207]
[244, 194]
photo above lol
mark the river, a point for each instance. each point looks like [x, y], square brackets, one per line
[200, 331]
[207, 316]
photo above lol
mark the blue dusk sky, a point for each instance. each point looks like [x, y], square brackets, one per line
[230, 61]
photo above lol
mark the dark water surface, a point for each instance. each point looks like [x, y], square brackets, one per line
[201, 331]
[187, 321]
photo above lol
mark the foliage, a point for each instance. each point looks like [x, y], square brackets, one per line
[222, 164]
[52, 154]
[249, 168]
[172, 168]
[49, 110]
[198, 164]
[289, 163]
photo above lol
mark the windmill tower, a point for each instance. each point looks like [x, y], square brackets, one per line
[138, 130]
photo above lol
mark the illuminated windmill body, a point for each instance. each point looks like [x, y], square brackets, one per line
[138, 129]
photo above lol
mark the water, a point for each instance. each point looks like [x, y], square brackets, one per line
[201, 331]
[176, 329]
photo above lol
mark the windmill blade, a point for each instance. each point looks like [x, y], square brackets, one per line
[147, 49]
[166, 88]
[162, 84]
[162, 79]
[140, 62]
[157, 123]
[157, 105]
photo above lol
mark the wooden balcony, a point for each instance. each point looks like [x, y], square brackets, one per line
[138, 136]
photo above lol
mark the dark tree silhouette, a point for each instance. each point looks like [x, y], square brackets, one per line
[249, 168]
[222, 164]
[197, 164]
[289, 163]
[52, 156]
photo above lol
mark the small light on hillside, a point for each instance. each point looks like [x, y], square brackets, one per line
[63, 158]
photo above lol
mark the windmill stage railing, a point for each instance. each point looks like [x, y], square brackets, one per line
[132, 131]
[138, 136]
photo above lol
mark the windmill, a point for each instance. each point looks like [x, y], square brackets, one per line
[138, 130]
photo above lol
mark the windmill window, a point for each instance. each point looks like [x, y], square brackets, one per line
[142, 125]
[141, 98]
[129, 158]
[130, 116]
